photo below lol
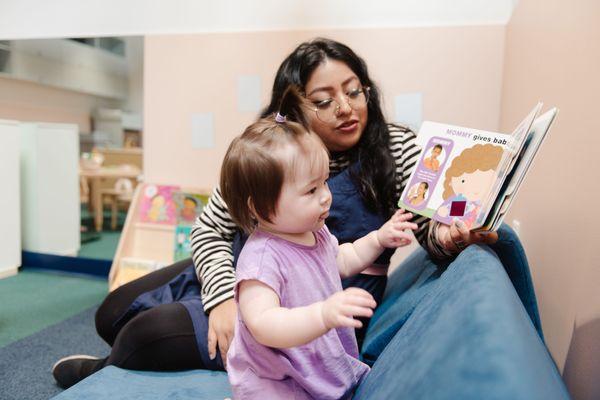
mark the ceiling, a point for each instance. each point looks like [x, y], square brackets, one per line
[23, 19]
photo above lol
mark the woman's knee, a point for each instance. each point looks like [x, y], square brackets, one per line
[161, 338]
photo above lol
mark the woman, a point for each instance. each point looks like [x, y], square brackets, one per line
[370, 165]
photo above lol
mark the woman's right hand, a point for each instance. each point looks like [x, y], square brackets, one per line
[340, 308]
[221, 323]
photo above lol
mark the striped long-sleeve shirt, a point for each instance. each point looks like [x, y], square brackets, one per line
[213, 232]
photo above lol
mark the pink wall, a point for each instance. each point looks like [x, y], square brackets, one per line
[553, 55]
[29, 101]
[458, 70]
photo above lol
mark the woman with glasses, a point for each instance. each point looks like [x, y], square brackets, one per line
[186, 324]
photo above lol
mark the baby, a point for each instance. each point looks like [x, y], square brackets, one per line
[294, 336]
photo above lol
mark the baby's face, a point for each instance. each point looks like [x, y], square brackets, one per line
[475, 185]
[436, 152]
[304, 200]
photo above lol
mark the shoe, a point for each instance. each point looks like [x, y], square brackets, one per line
[70, 370]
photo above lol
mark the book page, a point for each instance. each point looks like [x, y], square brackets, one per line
[519, 136]
[455, 172]
[539, 130]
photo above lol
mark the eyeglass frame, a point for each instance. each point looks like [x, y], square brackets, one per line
[364, 90]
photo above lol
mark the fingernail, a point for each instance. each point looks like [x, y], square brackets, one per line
[211, 356]
[460, 224]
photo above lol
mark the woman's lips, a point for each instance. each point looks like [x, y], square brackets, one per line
[348, 126]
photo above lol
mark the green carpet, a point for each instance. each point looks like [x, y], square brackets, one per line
[33, 300]
[104, 247]
[100, 245]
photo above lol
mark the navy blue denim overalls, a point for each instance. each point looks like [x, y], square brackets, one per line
[348, 220]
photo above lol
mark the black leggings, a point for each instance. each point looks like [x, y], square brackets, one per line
[162, 338]
[159, 339]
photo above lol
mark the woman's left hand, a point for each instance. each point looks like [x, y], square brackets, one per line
[457, 236]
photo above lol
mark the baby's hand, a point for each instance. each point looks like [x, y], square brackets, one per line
[340, 308]
[392, 233]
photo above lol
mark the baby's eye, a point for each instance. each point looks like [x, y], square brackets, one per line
[312, 191]
[462, 181]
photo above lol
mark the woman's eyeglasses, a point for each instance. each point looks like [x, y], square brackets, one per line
[328, 110]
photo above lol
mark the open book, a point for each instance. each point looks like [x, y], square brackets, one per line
[472, 175]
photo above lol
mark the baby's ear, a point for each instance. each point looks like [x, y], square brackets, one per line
[251, 208]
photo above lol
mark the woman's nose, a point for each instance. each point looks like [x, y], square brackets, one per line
[343, 106]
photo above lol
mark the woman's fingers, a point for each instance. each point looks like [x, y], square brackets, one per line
[212, 343]
[460, 235]
[487, 237]
[223, 343]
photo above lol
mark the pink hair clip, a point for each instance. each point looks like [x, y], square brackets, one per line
[280, 118]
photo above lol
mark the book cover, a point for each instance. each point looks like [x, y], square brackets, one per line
[182, 246]
[157, 204]
[189, 206]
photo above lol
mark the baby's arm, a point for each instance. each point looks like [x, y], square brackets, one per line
[355, 257]
[275, 326]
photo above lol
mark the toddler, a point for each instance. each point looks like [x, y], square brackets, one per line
[294, 334]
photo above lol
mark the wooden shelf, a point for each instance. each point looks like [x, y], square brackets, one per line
[143, 246]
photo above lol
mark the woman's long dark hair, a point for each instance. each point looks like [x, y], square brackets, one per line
[376, 178]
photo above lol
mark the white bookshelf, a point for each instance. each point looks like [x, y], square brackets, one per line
[50, 210]
[10, 228]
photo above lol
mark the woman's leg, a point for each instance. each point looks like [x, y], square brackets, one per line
[118, 301]
[159, 339]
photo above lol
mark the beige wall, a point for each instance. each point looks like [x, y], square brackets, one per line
[458, 70]
[553, 54]
[29, 101]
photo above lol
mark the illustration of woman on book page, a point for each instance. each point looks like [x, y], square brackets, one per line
[467, 182]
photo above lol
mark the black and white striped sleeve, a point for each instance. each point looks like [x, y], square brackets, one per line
[406, 152]
[211, 240]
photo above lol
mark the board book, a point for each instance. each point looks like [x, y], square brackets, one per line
[472, 175]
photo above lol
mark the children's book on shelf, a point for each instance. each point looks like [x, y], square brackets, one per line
[157, 205]
[188, 206]
[183, 246]
[472, 175]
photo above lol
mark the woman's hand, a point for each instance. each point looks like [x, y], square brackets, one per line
[340, 308]
[457, 236]
[221, 322]
[392, 234]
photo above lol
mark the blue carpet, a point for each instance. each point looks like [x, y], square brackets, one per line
[25, 365]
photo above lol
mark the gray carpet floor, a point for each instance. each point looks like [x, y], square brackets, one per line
[25, 364]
